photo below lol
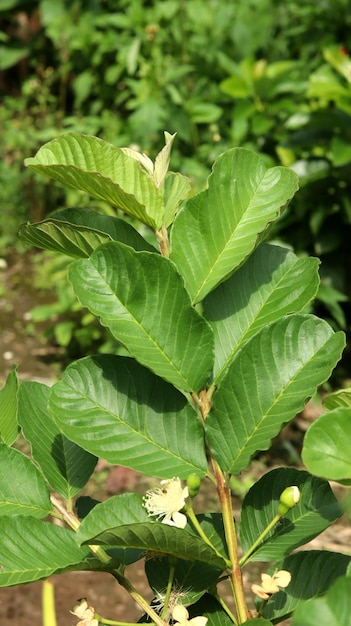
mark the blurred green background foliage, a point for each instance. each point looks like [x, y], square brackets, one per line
[270, 75]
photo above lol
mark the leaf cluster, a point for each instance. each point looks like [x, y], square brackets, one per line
[218, 354]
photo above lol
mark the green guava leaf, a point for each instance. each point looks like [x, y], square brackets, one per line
[193, 578]
[161, 538]
[326, 448]
[65, 465]
[312, 573]
[267, 384]
[141, 298]
[103, 171]
[339, 398]
[317, 509]
[23, 490]
[8, 409]
[78, 232]
[126, 508]
[270, 284]
[32, 550]
[333, 609]
[118, 410]
[218, 228]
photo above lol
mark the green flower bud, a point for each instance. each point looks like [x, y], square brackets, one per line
[193, 481]
[288, 499]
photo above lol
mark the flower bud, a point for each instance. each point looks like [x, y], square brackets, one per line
[288, 498]
[193, 482]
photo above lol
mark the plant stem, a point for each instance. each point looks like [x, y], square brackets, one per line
[259, 540]
[163, 242]
[168, 590]
[127, 585]
[235, 577]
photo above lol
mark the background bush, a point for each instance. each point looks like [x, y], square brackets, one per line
[265, 74]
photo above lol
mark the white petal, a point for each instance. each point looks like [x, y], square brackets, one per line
[180, 613]
[199, 620]
[180, 520]
[282, 578]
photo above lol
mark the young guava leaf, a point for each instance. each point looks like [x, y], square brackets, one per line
[65, 465]
[271, 283]
[312, 573]
[333, 609]
[218, 228]
[327, 446]
[175, 189]
[23, 490]
[316, 511]
[160, 538]
[141, 298]
[32, 550]
[267, 384]
[103, 171]
[8, 409]
[118, 410]
[162, 160]
[78, 232]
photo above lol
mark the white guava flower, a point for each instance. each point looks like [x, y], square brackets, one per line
[167, 501]
[271, 584]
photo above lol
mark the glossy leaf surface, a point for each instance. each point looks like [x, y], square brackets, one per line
[327, 445]
[123, 509]
[317, 509]
[270, 284]
[33, 550]
[141, 298]
[218, 228]
[161, 538]
[118, 410]
[23, 490]
[66, 466]
[267, 384]
[104, 171]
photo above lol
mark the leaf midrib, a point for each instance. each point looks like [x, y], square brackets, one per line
[133, 319]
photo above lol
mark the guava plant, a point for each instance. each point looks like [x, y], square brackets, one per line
[216, 353]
